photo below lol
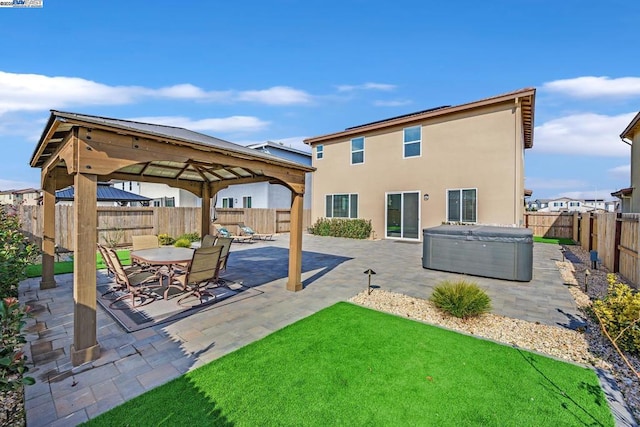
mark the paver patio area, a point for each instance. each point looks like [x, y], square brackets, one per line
[132, 363]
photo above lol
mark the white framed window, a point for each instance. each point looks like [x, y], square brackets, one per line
[227, 202]
[357, 150]
[319, 152]
[341, 206]
[246, 202]
[462, 205]
[412, 142]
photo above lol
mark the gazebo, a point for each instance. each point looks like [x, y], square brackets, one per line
[82, 150]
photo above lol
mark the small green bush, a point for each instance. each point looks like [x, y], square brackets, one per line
[16, 253]
[461, 299]
[165, 239]
[619, 311]
[342, 227]
[182, 243]
[12, 360]
[192, 237]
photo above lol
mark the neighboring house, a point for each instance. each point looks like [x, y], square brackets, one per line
[538, 204]
[567, 204]
[263, 194]
[161, 195]
[458, 164]
[631, 136]
[27, 196]
[255, 195]
[106, 196]
[624, 206]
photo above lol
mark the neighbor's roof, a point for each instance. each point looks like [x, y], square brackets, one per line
[631, 128]
[60, 124]
[279, 146]
[106, 193]
[528, 106]
[624, 192]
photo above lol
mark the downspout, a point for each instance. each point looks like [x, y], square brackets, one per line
[515, 162]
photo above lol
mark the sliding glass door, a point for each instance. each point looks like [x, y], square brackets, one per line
[403, 215]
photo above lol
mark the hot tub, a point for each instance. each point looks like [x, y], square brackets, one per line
[488, 251]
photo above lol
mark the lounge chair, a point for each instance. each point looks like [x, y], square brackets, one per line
[223, 232]
[248, 231]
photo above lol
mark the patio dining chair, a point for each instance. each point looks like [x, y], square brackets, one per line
[208, 240]
[129, 269]
[135, 285]
[199, 274]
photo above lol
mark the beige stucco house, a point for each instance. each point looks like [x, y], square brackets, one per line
[631, 136]
[462, 163]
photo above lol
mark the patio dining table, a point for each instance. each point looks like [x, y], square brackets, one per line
[164, 256]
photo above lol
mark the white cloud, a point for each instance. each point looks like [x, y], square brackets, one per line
[583, 134]
[278, 95]
[367, 86]
[226, 125]
[623, 172]
[36, 92]
[396, 103]
[596, 87]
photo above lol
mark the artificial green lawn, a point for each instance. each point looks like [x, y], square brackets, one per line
[349, 365]
[556, 240]
[62, 267]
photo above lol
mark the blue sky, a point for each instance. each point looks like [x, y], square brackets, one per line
[254, 71]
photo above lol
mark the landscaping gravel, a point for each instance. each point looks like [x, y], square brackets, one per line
[586, 345]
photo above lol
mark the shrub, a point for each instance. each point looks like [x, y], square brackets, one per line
[165, 239]
[342, 227]
[461, 299]
[619, 311]
[16, 253]
[182, 243]
[192, 237]
[12, 359]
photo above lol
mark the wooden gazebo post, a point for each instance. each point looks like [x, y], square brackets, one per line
[85, 345]
[294, 283]
[48, 230]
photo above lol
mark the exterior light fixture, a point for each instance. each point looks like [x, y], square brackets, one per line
[369, 272]
[425, 197]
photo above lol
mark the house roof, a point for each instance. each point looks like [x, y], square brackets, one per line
[200, 159]
[279, 146]
[624, 192]
[526, 95]
[631, 128]
[105, 193]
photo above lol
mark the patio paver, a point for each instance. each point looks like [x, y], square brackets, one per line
[132, 363]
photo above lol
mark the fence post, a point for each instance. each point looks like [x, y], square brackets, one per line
[616, 243]
[590, 232]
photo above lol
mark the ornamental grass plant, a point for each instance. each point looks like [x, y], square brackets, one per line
[461, 299]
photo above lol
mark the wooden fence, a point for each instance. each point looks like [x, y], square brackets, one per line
[551, 224]
[121, 223]
[615, 237]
